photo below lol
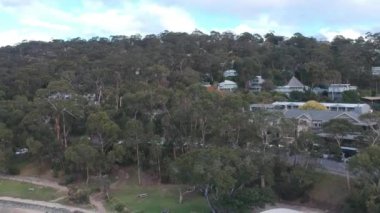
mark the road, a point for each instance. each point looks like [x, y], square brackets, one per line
[330, 166]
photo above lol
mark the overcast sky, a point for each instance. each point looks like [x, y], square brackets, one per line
[65, 19]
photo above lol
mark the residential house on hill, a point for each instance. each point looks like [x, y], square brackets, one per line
[255, 85]
[230, 73]
[336, 91]
[227, 85]
[293, 85]
[314, 119]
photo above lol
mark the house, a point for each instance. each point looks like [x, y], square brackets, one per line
[336, 91]
[227, 85]
[255, 85]
[230, 73]
[314, 119]
[375, 71]
[335, 107]
[293, 85]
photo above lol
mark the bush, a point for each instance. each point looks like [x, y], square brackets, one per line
[119, 207]
[292, 183]
[13, 170]
[68, 179]
[79, 195]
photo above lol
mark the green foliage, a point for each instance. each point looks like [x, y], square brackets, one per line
[223, 174]
[351, 96]
[79, 195]
[292, 183]
[365, 167]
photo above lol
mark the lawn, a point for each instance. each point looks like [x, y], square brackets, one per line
[159, 197]
[27, 191]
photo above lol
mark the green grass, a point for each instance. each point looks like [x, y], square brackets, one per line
[159, 198]
[27, 191]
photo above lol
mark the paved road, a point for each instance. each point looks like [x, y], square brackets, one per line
[330, 166]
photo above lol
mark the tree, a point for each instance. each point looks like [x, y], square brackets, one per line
[350, 96]
[313, 105]
[134, 133]
[366, 168]
[226, 177]
[338, 129]
[103, 131]
[83, 156]
[372, 135]
[6, 136]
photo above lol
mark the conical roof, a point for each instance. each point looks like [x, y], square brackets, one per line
[294, 82]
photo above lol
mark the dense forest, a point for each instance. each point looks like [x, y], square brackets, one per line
[85, 107]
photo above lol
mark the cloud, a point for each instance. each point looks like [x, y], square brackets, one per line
[87, 18]
[44, 24]
[263, 25]
[347, 33]
[95, 18]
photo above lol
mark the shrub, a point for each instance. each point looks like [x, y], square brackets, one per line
[13, 170]
[79, 195]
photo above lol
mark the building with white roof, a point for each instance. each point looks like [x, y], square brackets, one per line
[337, 107]
[376, 71]
[230, 73]
[227, 85]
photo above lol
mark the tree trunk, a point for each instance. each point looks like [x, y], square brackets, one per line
[262, 178]
[208, 200]
[138, 163]
[64, 130]
[174, 153]
[348, 180]
[159, 169]
[180, 200]
[87, 175]
[57, 128]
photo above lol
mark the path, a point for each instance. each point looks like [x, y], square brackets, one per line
[95, 200]
[39, 206]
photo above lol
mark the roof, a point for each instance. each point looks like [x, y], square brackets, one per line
[294, 82]
[227, 82]
[320, 115]
[368, 98]
[325, 104]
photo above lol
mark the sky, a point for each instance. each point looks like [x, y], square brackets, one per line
[65, 19]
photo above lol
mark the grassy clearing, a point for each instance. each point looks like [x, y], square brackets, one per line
[330, 190]
[159, 197]
[27, 191]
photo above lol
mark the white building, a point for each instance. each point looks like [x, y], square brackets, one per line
[338, 107]
[227, 85]
[255, 85]
[376, 71]
[230, 73]
[293, 85]
[336, 90]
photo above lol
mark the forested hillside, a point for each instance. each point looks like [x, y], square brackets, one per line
[84, 106]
